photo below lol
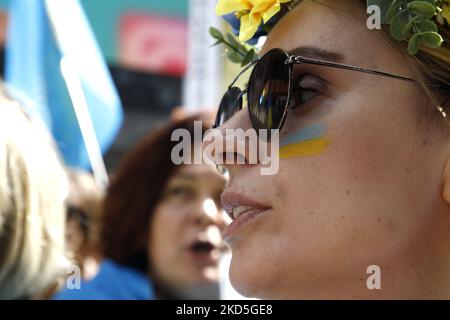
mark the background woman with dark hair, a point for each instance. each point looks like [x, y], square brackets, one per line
[161, 222]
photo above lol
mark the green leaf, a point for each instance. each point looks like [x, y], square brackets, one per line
[399, 24]
[423, 9]
[413, 44]
[427, 25]
[235, 51]
[431, 39]
[234, 56]
[248, 57]
[215, 33]
[383, 5]
[232, 40]
[255, 55]
[392, 11]
[405, 31]
[236, 45]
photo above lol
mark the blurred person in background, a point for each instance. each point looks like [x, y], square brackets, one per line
[83, 207]
[32, 192]
[160, 231]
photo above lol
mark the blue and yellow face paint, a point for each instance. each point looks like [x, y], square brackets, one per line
[306, 141]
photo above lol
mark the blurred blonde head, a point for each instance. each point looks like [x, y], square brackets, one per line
[32, 193]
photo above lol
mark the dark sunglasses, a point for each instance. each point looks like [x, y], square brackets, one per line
[269, 89]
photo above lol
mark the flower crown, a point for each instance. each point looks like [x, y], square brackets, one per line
[420, 23]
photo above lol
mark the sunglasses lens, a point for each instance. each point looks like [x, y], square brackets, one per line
[230, 104]
[268, 91]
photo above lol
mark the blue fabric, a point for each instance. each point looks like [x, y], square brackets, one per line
[113, 282]
[34, 49]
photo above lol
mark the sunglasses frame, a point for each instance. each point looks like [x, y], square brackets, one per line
[292, 60]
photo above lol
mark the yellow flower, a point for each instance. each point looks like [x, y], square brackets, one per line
[251, 12]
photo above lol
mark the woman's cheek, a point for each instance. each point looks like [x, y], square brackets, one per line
[340, 182]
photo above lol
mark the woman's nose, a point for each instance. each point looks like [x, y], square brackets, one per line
[231, 143]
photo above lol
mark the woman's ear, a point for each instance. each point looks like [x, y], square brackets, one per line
[446, 181]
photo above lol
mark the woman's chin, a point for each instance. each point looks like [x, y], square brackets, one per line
[249, 279]
[205, 275]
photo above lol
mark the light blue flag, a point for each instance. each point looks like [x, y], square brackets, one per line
[40, 34]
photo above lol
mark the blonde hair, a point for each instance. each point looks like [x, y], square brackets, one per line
[32, 216]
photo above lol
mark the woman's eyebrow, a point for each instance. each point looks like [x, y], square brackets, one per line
[317, 53]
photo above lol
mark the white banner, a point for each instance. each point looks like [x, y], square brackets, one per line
[204, 67]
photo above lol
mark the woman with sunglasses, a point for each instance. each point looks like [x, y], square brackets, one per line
[360, 205]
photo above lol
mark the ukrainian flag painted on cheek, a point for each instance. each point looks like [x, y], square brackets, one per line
[305, 142]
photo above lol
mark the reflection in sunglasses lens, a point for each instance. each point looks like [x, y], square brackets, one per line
[268, 91]
[230, 104]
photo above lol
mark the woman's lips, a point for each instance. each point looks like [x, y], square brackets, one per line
[241, 210]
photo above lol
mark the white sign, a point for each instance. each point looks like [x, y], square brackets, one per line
[202, 81]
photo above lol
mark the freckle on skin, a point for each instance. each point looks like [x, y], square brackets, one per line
[311, 213]
[424, 142]
[378, 219]
[348, 191]
[407, 170]
[278, 193]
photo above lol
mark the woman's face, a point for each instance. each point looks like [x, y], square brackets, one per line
[185, 233]
[370, 197]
